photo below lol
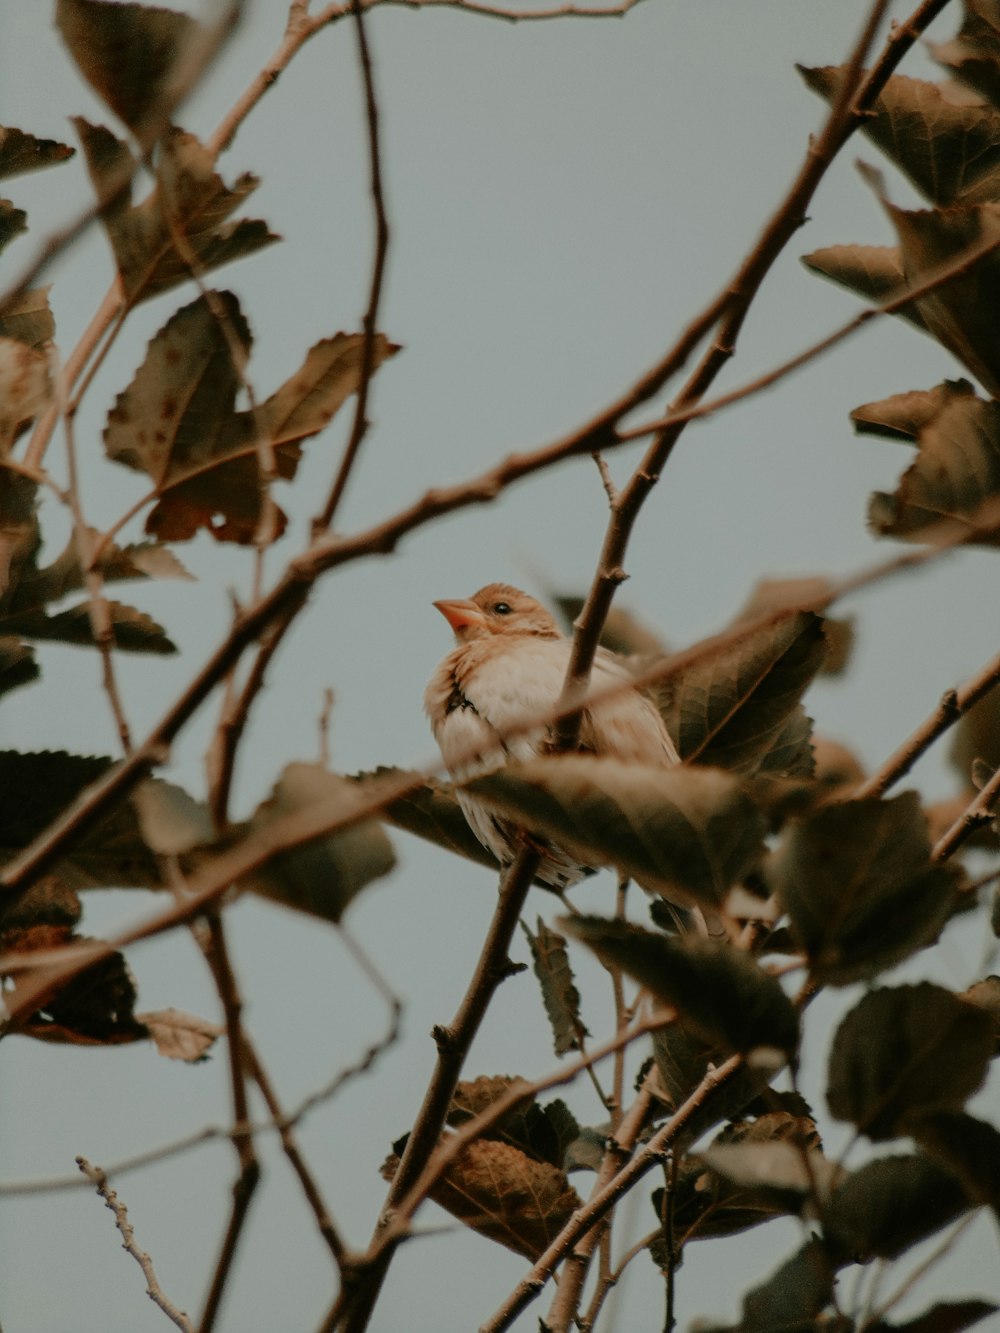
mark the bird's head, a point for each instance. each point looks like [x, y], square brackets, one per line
[498, 609]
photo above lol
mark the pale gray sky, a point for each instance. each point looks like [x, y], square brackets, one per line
[563, 197]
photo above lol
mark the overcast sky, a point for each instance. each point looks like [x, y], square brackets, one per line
[563, 197]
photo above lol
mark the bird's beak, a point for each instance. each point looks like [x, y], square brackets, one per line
[461, 614]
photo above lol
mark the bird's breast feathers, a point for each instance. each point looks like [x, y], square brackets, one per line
[485, 694]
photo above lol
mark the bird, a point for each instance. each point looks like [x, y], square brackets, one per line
[506, 670]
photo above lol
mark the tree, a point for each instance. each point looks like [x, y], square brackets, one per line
[789, 1072]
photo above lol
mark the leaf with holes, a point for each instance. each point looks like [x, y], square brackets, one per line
[507, 1196]
[182, 225]
[178, 423]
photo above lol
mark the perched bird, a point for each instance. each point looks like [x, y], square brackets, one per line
[507, 670]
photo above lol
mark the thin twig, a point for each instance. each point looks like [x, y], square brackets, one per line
[607, 481]
[212, 1133]
[853, 97]
[98, 609]
[978, 813]
[196, 62]
[569, 1290]
[106, 792]
[584, 1218]
[217, 955]
[289, 1143]
[359, 426]
[359, 1294]
[953, 705]
[98, 1178]
[511, 15]
[608, 1283]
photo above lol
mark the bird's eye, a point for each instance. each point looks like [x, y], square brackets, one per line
[501, 609]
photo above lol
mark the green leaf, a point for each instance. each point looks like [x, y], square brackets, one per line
[687, 833]
[977, 736]
[177, 421]
[37, 789]
[953, 485]
[27, 318]
[17, 664]
[21, 152]
[133, 631]
[117, 564]
[889, 1205]
[19, 532]
[904, 1051]
[967, 1147]
[322, 876]
[722, 993]
[129, 54]
[858, 883]
[559, 992]
[945, 1317]
[985, 995]
[776, 594]
[948, 146]
[190, 201]
[24, 389]
[739, 709]
[49, 902]
[172, 822]
[13, 221]
[793, 1296]
[93, 1008]
[779, 1167]
[683, 1058]
[904, 415]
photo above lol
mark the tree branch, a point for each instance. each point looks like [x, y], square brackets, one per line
[111, 1200]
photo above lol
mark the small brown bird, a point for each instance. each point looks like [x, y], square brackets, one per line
[507, 670]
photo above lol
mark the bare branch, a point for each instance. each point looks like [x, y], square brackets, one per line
[111, 1200]
[359, 427]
